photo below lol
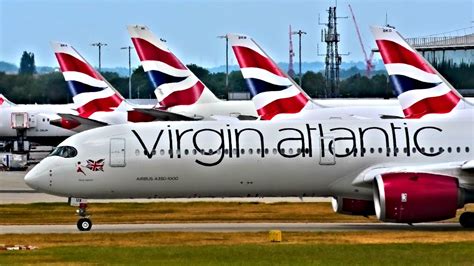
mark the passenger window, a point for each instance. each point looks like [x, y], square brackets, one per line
[450, 149]
[162, 152]
[467, 149]
[372, 150]
[458, 149]
[186, 152]
[250, 151]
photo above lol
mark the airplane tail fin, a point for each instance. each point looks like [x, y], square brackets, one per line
[173, 82]
[4, 102]
[420, 88]
[273, 92]
[90, 92]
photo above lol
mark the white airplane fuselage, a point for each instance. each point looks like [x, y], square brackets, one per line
[369, 108]
[254, 158]
[38, 117]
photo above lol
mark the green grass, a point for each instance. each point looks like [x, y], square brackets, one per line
[253, 254]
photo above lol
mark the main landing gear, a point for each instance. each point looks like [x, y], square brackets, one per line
[467, 220]
[84, 223]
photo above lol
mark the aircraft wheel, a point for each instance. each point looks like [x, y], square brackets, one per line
[467, 220]
[84, 224]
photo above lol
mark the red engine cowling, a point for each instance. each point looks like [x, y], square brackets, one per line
[415, 197]
[353, 206]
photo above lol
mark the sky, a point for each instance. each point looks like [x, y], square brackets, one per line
[191, 27]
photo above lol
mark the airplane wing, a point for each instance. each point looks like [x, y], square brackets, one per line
[468, 166]
[162, 115]
[76, 123]
[367, 176]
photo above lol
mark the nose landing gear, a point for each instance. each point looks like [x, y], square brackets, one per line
[467, 220]
[84, 223]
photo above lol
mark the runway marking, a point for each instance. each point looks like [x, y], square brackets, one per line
[228, 227]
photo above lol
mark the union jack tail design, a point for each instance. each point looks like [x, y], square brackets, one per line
[420, 89]
[90, 92]
[173, 82]
[95, 165]
[5, 102]
[273, 92]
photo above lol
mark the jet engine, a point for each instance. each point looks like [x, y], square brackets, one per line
[416, 197]
[353, 206]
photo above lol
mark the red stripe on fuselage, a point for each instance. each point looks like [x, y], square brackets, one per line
[183, 97]
[393, 53]
[68, 62]
[100, 105]
[149, 52]
[434, 105]
[249, 58]
[290, 105]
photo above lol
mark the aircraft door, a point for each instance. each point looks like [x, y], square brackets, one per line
[117, 152]
[327, 151]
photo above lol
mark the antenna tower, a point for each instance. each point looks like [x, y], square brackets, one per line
[291, 53]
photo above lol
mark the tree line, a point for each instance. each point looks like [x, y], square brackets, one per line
[28, 87]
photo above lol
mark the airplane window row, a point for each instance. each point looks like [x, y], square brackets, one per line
[413, 150]
[292, 151]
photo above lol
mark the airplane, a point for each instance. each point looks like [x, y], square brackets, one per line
[420, 88]
[32, 122]
[96, 101]
[277, 96]
[401, 170]
[178, 90]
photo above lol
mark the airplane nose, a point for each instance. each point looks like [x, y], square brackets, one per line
[32, 178]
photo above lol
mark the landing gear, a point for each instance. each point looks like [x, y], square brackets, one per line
[84, 223]
[467, 220]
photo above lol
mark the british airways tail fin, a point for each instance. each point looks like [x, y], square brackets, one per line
[420, 88]
[173, 82]
[273, 92]
[90, 92]
[4, 102]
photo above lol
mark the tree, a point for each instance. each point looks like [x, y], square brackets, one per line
[27, 64]
[314, 84]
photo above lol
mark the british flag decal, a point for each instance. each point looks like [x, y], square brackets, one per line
[95, 165]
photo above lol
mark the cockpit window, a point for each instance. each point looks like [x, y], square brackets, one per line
[64, 151]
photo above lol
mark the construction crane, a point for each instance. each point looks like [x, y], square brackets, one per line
[368, 59]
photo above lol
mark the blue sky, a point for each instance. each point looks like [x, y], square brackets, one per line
[191, 27]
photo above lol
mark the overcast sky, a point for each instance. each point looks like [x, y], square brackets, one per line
[191, 27]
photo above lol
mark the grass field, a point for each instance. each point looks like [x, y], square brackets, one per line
[61, 213]
[342, 248]
[178, 248]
